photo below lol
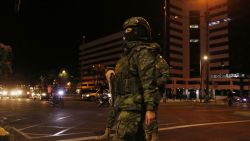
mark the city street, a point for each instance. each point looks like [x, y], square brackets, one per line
[27, 119]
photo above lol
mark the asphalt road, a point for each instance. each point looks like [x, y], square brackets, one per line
[31, 120]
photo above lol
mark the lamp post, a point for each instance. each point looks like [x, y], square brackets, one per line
[164, 28]
[203, 62]
[207, 48]
[207, 81]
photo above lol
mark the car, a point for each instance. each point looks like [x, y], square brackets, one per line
[3, 93]
[89, 94]
[45, 96]
[92, 94]
[36, 95]
[243, 99]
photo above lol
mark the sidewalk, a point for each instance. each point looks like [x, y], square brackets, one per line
[178, 101]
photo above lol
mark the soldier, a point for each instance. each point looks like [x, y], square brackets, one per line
[135, 86]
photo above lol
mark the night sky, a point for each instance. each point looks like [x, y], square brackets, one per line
[46, 34]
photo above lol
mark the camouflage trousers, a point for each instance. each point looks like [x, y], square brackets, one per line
[130, 127]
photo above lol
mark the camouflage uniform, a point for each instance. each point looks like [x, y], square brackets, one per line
[135, 86]
[136, 90]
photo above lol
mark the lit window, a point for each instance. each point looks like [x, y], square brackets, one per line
[219, 21]
[194, 26]
[194, 40]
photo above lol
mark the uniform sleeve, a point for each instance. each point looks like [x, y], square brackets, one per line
[146, 69]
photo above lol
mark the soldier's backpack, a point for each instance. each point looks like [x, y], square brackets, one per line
[162, 67]
[162, 70]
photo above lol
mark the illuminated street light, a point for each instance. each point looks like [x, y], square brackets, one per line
[204, 62]
[205, 57]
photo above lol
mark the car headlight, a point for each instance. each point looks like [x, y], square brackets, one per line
[13, 93]
[43, 94]
[87, 95]
[19, 92]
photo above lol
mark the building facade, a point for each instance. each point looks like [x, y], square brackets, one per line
[195, 29]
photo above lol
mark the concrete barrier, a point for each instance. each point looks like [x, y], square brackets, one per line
[4, 135]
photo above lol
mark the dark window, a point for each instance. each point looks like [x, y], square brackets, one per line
[220, 68]
[176, 44]
[176, 29]
[180, 82]
[176, 22]
[219, 60]
[176, 75]
[218, 37]
[194, 82]
[176, 37]
[218, 44]
[218, 14]
[223, 83]
[175, 7]
[219, 52]
[176, 52]
[218, 29]
[218, 6]
[177, 67]
[175, 60]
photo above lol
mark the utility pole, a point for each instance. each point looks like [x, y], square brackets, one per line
[165, 32]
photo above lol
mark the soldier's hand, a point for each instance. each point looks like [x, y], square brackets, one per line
[149, 117]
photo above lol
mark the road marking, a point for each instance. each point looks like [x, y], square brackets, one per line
[58, 133]
[48, 135]
[30, 126]
[22, 133]
[17, 120]
[62, 118]
[54, 127]
[164, 129]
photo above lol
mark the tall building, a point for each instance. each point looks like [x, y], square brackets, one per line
[95, 55]
[194, 29]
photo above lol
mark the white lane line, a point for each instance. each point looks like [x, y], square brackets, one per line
[35, 134]
[164, 129]
[58, 133]
[22, 133]
[54, 127]
[202, 124]
[62, 118]
[30, 126]
[17, 120]
[47, 136]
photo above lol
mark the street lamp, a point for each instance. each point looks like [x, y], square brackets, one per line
[164, 28]
[204, 61]
[207, 48]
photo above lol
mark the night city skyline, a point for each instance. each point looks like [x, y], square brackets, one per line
[46, 35]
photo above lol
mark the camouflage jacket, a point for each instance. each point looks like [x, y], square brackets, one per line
[135, 82]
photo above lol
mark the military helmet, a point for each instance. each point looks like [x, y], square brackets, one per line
[137, 21]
